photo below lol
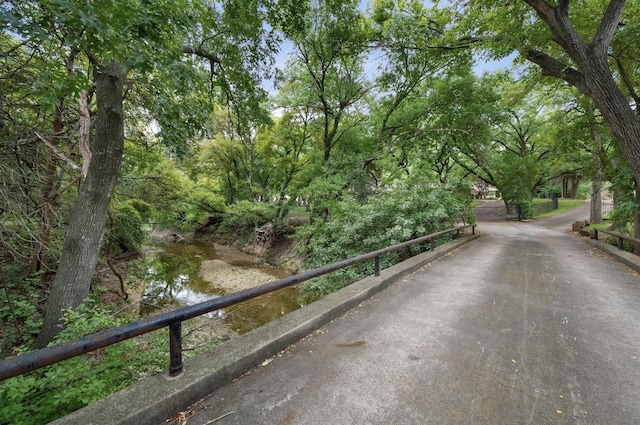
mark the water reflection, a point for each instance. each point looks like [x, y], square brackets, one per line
[174, 279]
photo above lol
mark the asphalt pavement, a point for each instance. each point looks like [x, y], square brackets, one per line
[526, 325]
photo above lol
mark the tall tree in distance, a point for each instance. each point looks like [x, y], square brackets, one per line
[328, 57]
[408, 70]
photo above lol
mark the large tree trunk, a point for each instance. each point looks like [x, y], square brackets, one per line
[623, 122]
[575, 184]
[81, 246]
[636, 219]
[592, 74]
[596, 155]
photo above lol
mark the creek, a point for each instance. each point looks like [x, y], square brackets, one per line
[185, 273]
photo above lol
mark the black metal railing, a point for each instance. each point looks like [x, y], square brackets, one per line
[173, 320]
[621, 237]
[546, 207]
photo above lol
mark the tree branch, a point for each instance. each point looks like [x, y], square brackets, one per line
[563, 7]
[553, 67]
[608, 26]
[507, 147]
[628, 83]
[563, 33]
[59, 154]
[201, 53]
[544, 10]
[83, 132]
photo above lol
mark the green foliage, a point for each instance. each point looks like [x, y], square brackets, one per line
[59, 389]
[171, 194]
[127, 225]
[550, 190]
[324, 194]
[245, 216]
[200, 202]
[240, 220]
[516, 177]
[18, 309]
[391, 217]
[625, 206]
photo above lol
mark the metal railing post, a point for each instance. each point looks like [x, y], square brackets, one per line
[595, 234]
[175, 349]
[376, 265]
[433, 244]
[473, 230]
[620, 243]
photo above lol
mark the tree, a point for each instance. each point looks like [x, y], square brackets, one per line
[287, 152]
[22, 171]
[87, 221]
[328, 61]
[522, 147]
[113, 40]
[591, 47]
[405, 103]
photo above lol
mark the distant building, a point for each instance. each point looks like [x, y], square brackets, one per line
[482, 190]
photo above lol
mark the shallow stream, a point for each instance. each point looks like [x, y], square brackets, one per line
[184, 273]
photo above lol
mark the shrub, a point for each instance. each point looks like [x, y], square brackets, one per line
[242, 218]
[54, 391]
[127, 226]
[390, 218]
[18, 309]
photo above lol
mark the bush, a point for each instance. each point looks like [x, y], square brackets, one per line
[127, 226]
[54, 391]
[550, 190]
[18, 309]
[390, 218]
[242, 218]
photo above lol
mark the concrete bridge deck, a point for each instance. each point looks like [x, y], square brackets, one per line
[527, 325]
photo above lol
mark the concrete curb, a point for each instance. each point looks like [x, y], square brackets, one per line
[625, 257]
[156, 398]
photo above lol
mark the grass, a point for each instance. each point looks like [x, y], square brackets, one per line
[563, 206]
[540, 200]
[599, 226]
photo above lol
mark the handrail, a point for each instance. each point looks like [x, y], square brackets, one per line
[46, 356]
[621, 237]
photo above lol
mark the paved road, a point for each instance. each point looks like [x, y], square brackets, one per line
[490, 210]
[527, 325]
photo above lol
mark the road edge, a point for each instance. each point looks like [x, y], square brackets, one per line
[627, 258]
